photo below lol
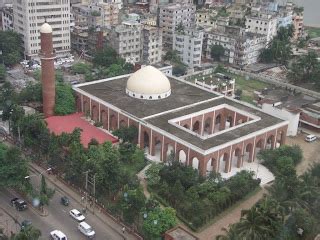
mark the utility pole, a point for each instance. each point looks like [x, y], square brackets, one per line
[92, 182]
[86, 187]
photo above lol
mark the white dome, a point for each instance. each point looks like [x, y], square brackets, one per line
[46, 28]
[148, 83]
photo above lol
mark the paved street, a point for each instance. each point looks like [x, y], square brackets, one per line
[58, 218]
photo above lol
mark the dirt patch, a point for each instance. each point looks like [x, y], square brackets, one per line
[311, 151]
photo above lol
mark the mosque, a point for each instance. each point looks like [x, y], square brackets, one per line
[205, 130]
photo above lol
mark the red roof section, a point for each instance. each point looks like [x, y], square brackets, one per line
[60, 124]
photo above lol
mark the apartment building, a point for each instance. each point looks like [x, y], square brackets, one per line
[241, 48]
[206, 18]
[188, 44]
[262, 23]
[171, 16]
[96, 15]
[297, 21]
[151, 40]
[28, 17]
[7, 18]
[126, 40]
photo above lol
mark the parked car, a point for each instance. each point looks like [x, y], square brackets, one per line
[19, 204]
[77, 215]
[13, 200]
[58, 235]
[64, 201]
[25, 224]
[310, 138]
[86, 229]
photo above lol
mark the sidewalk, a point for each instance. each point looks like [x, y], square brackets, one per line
[112, 222]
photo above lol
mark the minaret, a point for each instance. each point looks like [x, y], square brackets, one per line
[47, 57]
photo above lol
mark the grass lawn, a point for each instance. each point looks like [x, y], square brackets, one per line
[313, 32]
[248, 87]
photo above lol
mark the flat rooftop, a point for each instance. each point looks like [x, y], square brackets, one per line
[185, 99]
[113, 92]
[205, 144]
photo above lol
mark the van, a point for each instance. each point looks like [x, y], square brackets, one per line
[58, 235]
[86, 230]
[310, 138]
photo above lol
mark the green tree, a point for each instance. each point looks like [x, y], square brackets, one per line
[81, 68]
[132, 204]
[29, 233]
[11, 47]
[159, 221]
[262, 221]
[152, 174]
[216, 52]
[65, 99]
[105, 57]
[13, 168]
[45, 192]
[172, 56]
[104, 161]
[3, 73]
[127, 134]
[31, 93]
[179, 69]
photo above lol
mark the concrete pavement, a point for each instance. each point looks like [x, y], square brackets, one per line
[105, 226]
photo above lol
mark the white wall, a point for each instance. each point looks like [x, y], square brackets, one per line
[293, 118]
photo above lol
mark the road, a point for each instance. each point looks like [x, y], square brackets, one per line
[58, 217]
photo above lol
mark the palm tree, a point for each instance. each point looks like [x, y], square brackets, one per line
[230, 234]
[262, 221]
[30, 233]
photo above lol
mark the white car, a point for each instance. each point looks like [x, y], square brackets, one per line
[310, 138]
[77, 215]
[58, 235]
[86, 229]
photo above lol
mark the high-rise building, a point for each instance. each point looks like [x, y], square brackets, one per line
[171, 16]
[188, 44]
[151, 41]
[29, 15]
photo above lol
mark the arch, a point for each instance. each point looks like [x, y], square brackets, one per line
[247, 155]
[86, 108]
[270, 142]
[211, 165]
[229, 122]
[195, 163]
[258, 148]
[280, 139]
[113, 122]
[104, 119]
[78, 101]
[196, 127]
[217, 123]
[123, 123]
[146, 140]
[236, 158]
[182, 157]
[95, 113]
[223, 162]
[207, 126]
[157, 148]
[170, 150]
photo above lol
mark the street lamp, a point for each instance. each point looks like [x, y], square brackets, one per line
[40, 174]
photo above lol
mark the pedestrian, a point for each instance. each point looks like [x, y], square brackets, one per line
[123, 230]
[82, 199]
